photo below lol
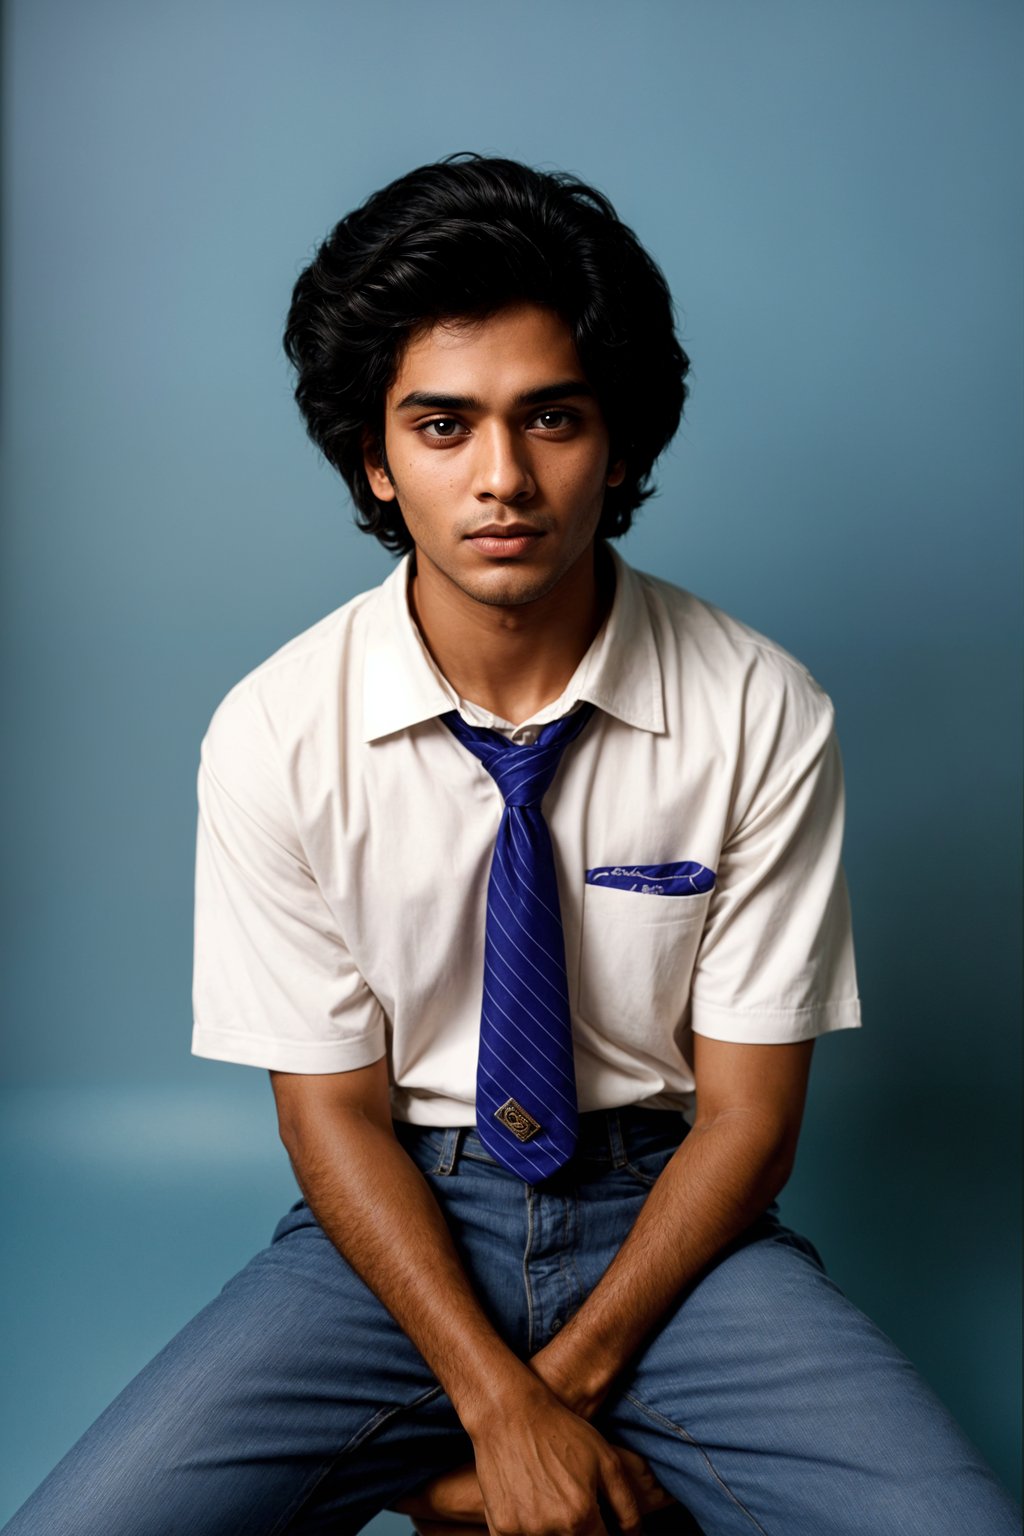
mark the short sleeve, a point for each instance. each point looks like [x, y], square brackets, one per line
[274, 984]
[776, 959]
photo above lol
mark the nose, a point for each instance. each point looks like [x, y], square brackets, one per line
[502, 467]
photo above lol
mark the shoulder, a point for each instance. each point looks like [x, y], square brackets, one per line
[711, 658]
[273, 714]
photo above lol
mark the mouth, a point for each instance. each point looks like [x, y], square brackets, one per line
[505, 540]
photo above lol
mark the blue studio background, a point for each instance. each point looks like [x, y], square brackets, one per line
[832, 192]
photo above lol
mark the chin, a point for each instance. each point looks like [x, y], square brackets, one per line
[511, 589]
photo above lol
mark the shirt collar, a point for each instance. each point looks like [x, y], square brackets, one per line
[620, 672]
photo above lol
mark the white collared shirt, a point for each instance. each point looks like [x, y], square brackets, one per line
[345, 838]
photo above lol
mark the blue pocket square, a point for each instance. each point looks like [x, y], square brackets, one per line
[685, 879]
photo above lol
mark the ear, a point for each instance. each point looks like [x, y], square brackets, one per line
[616, 474]
[376, 473]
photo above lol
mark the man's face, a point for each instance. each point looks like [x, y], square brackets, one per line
[498, 454]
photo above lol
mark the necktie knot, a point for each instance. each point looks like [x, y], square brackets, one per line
[522, 773]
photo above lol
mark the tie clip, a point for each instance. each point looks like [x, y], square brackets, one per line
[515, 1119]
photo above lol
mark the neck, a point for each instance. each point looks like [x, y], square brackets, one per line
[512, 661]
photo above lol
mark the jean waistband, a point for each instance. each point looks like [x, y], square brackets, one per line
[610, 1137]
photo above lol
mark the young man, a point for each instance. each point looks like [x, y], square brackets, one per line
[521, 876]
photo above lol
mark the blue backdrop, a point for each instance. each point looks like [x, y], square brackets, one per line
[832, 191]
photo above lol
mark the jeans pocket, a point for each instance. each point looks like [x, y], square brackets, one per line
[645, 1167]
[424, 1144]
[648, 1141]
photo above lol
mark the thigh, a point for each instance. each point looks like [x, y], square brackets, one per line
[769, 1403]
[259, 1412]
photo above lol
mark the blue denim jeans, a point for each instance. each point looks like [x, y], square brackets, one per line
[293, 1403]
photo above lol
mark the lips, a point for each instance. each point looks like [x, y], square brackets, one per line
[505, 540]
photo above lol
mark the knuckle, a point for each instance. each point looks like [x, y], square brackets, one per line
[574, 1519]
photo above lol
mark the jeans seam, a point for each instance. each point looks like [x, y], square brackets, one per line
[563, 1256]
[643, 1177]
[616, 1141]
[576, 1298]
[381, 1417]
[677, 1429]
[526, 1268]
[449, 1152]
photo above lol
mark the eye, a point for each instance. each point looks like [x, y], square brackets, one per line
[442, 426]
[554, 420]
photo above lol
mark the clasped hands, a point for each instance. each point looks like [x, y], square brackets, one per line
[540, 1466]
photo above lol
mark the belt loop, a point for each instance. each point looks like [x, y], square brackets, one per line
[450, 1149]
[615, 1142]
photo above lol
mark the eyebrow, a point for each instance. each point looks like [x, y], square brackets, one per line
[564, 389]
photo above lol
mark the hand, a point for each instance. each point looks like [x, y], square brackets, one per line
[582, 1382]
[542, 1471]
[650, 1495]
[454, 1498]
[451, 1504]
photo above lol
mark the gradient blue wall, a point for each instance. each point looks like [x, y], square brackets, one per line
[833, 193]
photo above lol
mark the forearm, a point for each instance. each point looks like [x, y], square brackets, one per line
[378, 1210]
[723, 1175]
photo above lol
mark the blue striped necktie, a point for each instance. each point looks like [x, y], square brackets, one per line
[525, 1084]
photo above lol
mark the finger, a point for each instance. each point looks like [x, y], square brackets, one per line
[619, 1493]
[650, 1495]
[636, 1467]
[597, 1526]
[451, 1497]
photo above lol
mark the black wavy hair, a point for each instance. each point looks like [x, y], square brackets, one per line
[467, 236]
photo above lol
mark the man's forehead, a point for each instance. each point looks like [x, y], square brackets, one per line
[517, 350]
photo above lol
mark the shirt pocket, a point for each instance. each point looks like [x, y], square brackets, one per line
[637, 953]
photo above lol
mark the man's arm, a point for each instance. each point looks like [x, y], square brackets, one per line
[541, 1467]
[732, 1164]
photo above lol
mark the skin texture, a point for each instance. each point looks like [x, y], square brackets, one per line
[507, 632]
[526, 448]
[452, 1505]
